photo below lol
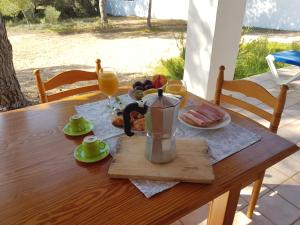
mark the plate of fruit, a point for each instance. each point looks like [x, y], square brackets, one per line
[147, 86]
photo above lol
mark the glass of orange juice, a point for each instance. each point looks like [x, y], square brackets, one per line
[178, 87]
[108, 83]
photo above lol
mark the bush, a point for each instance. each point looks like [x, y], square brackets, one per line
[251, 58]
[76, 8]
[51, 15]
[174, 67]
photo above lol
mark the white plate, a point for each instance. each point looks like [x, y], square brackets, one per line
[224, 122]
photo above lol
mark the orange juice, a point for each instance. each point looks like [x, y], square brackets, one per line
[108, 83]
[177, 88]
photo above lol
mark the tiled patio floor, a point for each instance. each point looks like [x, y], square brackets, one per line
[279, 202]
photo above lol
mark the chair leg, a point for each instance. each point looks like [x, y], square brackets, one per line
[255, 195]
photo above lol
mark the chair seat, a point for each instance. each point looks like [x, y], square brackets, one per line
[289, 57]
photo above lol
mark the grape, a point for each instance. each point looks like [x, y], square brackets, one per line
[147, 82]
[139, 88]
[137, 84]
[149, 86]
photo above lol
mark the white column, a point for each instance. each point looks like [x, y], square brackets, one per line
[213, 36]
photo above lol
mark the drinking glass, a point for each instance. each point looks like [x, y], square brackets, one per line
[108, 83]
[178, 87]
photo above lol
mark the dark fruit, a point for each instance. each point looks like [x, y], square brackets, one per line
[141, 88]
[149, 86]
[147, 82]
[137, 84]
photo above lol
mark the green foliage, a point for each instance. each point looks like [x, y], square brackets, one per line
[51, 15]
[76, 8]
[174, 67]
[251, 58]
[14, 7]
[33, 10]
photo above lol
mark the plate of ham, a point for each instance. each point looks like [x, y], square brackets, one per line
[204, 116]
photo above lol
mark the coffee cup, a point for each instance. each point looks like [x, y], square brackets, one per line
[91, 146]
[77, 123]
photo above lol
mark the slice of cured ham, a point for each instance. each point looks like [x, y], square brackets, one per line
[210, 111]
[200, 116]
[203, 115]
[199, 121]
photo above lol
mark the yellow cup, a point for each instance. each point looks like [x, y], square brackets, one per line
[178, 87]
[91, 146]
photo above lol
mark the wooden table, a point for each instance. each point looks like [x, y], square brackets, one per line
[41, 183]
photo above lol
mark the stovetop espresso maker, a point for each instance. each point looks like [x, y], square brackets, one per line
[161, 113]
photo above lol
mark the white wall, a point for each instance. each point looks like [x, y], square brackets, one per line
[213, 37]
[161, 9]
[272, 14]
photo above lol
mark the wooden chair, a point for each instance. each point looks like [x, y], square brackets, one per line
[258, 92]
[67, 77]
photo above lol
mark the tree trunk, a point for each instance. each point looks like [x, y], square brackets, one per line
[11, 96]
[149, 25]
[102, 10]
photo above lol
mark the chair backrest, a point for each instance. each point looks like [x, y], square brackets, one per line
[254, 90]
[67, 77]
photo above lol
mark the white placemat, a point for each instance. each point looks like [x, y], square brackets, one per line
[222, 142]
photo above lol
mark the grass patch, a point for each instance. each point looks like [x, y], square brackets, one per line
[174, 67]
[118, 26]
[251, 58]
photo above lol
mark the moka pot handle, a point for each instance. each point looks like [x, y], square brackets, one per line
[126, 115]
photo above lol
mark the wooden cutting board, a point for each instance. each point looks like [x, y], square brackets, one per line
[192, 162]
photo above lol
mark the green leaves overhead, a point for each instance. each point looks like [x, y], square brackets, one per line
[13, 7]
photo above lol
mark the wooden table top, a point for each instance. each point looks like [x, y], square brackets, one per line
[42, 183]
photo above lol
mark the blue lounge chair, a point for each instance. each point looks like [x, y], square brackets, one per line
[288, 57]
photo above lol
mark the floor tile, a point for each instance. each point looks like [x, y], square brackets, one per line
[290, 131]
[292, 99]
[296, 155]
[260, 77]
[288, 166]
[277, 210]
[268, 84]
[287, 119]
[252, 101]
[294, 90]
[297, 222]
[247, 191]
[290, 190]
[258, 219]
[274, 177]
[297, 177]
[242, 203]
[197, 217]
[294, 110]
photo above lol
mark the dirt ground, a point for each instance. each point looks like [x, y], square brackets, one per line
[129, 48]
[52, 53]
